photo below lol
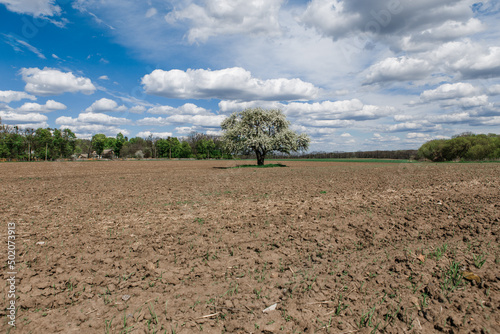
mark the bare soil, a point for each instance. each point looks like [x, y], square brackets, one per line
[188, 247]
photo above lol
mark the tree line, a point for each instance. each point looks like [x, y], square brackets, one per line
[51, 144]
[393, 155]
[466, 146]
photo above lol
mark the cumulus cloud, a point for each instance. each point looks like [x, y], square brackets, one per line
[223, 17]
[93, 118]
[137, 109]
[227, 107]
[186, 109]
[449, 91]
[413, 126]
[49, 106]
[146, 134]
[317, 112]
[231, 83]
[11, 117]
[33, 7]
[9, 96]
[197, 120]
[377, 137]
[398, 69]
[105, 105]
[376, 18]
[54, 82]
[447, 31]
[88, 124]
[343, 110]
[459, 59]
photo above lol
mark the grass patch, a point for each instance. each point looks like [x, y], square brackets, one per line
[262, 166]
[353, 160]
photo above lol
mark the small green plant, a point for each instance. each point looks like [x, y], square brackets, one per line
[366, 318]
[107, 325]
[479, 260]
[452, 278]
[233, 289]
[439, 252]
[340, 305]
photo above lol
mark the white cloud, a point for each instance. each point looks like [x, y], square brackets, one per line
[492, 90]
[330, 17]
[88, 124]
[137, 109]
[19, 44]
[377, 137]
[186, 109]
[231, 83]
[11, 117]
[33, 7]
[92, 118]
[227, 107]
[9, 96]
[103, 77]
[151, 12]
[223, 17]
[184, 130]
[346, 135]
[447, 31]
[463, 117]
[414, 126]
[449, 91]
[54, 82]
[105, 105]
[345, 110]
[153, 121]
[393, 18]
[197, 120]
[483, 64]
[201, 120]
[49, 106]
[145, 134]
[398, 69]
[403, 118]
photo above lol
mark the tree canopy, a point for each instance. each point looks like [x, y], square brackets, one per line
[466, 146]
[261, 131]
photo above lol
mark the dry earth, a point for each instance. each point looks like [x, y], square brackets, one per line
[188, 247]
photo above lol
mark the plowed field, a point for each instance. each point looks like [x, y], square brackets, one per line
[189, 246]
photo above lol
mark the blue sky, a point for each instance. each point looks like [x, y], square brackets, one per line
[354, 75]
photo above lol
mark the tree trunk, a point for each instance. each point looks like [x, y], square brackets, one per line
[260, 158]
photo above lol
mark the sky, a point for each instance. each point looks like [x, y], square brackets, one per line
[354, 75]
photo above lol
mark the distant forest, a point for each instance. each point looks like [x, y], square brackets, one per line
[51, 144]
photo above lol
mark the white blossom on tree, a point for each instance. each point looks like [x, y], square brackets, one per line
[261, 131]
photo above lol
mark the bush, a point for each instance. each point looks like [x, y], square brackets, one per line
[466, 146]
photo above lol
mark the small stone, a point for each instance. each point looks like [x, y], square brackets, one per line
[125, 297]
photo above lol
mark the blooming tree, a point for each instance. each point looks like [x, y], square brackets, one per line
[261, 131]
